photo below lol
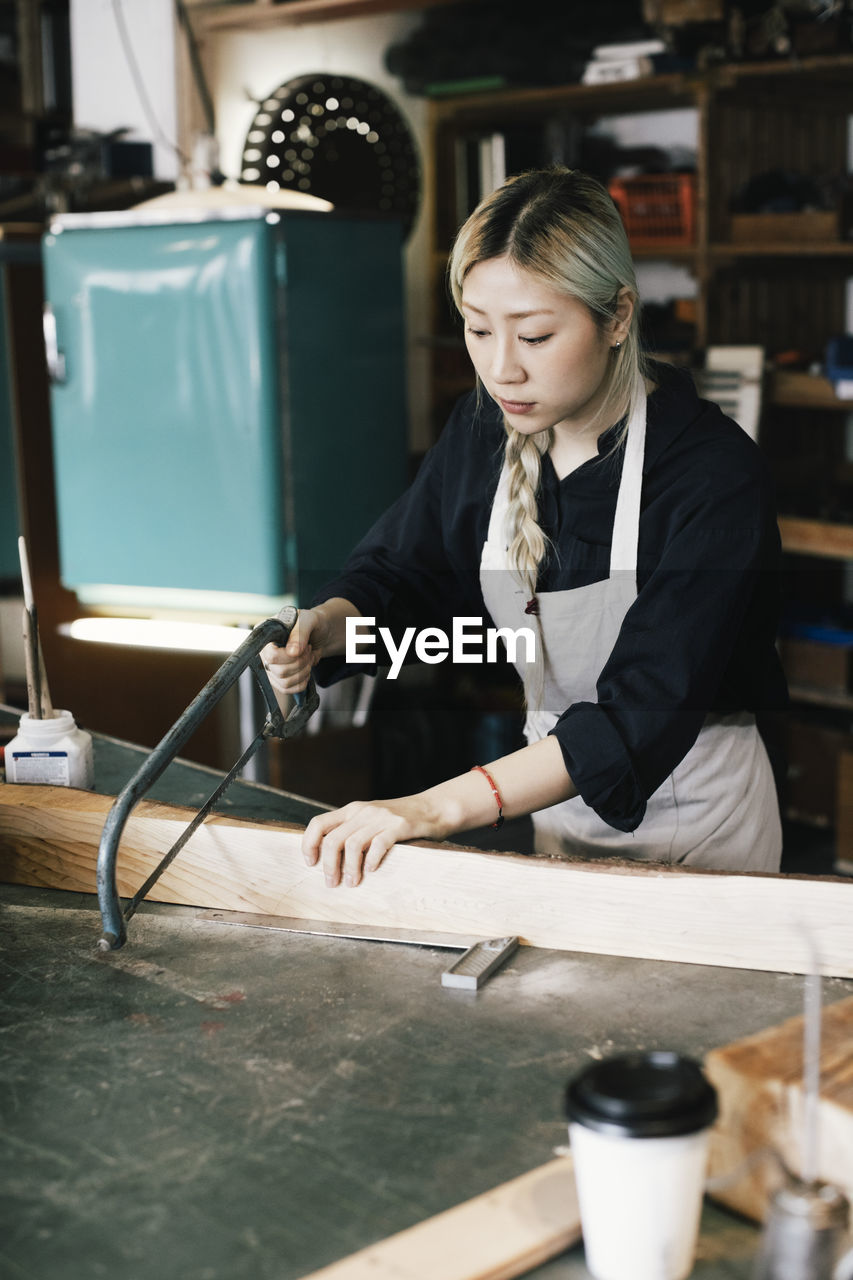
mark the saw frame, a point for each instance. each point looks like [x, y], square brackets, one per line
[276, 631]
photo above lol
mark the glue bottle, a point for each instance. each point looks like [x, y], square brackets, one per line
[52, 752]
[805, 1234]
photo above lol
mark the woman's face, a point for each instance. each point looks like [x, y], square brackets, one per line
[538, 352]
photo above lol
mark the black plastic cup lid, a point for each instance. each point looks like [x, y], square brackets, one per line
[642, 1095]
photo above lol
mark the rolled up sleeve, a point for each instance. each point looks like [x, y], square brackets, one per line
[417, 565]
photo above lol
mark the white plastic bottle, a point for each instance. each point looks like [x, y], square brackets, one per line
[53, 752]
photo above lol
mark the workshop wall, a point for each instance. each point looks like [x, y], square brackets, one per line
[105, 94]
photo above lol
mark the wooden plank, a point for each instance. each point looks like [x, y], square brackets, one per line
[495, 1236]
[759, 1083]
[49, 836]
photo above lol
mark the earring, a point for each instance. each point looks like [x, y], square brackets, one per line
[616, 346]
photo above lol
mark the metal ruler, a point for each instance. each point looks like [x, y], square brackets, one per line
[479, 963]
[470, 971]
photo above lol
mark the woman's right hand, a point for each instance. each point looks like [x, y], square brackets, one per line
[289, 668]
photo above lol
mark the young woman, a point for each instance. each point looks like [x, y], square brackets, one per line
[600, 503]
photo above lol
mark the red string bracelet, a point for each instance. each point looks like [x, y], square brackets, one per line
[478, 768]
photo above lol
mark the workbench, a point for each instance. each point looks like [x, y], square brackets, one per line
[216, 1102]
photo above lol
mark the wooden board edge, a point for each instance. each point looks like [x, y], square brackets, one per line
[97, 803]
[652, 912]
[498, 1235]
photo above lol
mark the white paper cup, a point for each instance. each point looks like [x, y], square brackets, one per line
[638, 1127]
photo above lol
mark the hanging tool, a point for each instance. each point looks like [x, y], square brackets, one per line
[273, 631]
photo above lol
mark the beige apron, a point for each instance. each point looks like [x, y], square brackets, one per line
[718, 808]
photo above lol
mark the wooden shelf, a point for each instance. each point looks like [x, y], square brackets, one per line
[644, 93]
[833, 68]
[782, 249]
[18, 231]
[261, 16]
[793, 390]
[816, 538]
[668, 252]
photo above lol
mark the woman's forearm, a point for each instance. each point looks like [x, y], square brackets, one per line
[532, 778]
[358, 836]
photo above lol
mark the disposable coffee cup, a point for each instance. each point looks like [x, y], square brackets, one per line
[638, 1129]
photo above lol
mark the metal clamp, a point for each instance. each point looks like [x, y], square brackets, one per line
[272, 631]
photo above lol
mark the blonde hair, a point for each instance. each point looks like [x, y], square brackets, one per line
[562, 226]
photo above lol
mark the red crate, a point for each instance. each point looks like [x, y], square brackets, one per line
[657, 209]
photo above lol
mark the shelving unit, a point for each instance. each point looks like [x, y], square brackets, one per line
[750, 118]
[791, 295]
[781, 293]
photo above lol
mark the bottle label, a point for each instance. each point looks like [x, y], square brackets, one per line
[48, 767]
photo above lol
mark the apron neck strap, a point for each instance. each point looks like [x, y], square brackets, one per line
[626, 524]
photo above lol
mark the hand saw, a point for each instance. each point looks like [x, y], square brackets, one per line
[276, 631]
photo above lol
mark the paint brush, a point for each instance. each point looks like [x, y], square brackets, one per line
[38, 695]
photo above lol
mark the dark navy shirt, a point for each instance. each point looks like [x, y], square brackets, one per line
[700, 636]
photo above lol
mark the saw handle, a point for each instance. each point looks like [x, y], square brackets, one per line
[289, 615]
[305, 702]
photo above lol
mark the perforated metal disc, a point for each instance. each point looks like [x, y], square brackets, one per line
[338, 138]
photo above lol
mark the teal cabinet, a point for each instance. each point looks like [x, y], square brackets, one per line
[228, 398]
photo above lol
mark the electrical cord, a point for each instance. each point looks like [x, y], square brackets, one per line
[139, 83]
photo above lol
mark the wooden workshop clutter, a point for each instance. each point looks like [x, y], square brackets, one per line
[759, 1082]
[505, 1232]
[49, 836]
[495, 1236]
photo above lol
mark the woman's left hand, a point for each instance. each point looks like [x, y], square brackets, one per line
[357, 837]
